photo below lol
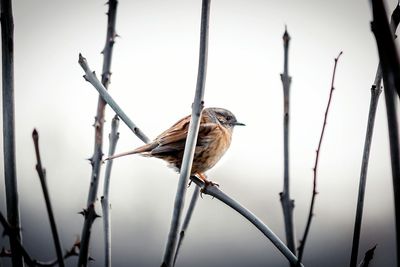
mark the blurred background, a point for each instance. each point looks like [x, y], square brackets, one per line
[154, 76]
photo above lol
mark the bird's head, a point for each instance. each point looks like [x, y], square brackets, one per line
[224, 117]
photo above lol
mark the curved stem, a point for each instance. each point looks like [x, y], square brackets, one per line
[218, 194]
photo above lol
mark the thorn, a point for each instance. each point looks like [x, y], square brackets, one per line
[84, 77]
[83, 212]
[91, 259]
[94, 73]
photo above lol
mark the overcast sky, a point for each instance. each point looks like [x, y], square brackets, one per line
[154, 70]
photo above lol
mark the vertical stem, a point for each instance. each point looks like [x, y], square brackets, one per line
[197, 108]
[42, 176]
[390, 64]
[287, 203]
[186, 222]
[114, 135]
[375, 93]
[90, 213]
[10, 173]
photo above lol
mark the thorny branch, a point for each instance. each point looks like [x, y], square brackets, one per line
[314, 192]
[96, 159]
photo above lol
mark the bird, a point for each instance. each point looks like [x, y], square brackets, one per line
[214, 139]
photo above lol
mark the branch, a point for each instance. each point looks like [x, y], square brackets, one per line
[10, 172]
[10, 231]
[113, 137]
[13, 234]
[186, 222]
[375, 93]
[314, 192]
[98, 138]
[191, 140]
[287, 203]
[391, 79]
[214, 191]
[369, 255]
[91, 78]
[42, 176]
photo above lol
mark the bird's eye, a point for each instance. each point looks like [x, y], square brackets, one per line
[228, 118]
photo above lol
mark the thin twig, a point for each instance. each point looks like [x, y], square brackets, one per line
[186, 222]
[91, 78]
[95, 160]
[10, 172]
[314, 192]
[197, 108]
[287, 203]
[390, 64]
[42, 176]
[369, 255]
[375, 93]
[113, 137]
[214, 191]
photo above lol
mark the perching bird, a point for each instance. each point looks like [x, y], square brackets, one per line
[214, 138]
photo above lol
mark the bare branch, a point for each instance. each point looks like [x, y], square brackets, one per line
[214, 191]
[10, 172]
[314, 192]
[113, 137]
[91, 77]
[96, 159]
[197, 108]
[287, 203]
[375, 93]
[42, 176]
[390, 65]
[186, 222]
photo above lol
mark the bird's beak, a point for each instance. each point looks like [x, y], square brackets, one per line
[239, 124]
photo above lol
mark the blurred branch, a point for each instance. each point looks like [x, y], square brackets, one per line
[287, 203]
[10, 172]
[91, 78]
[113, 137]
[369, 255]
[42, 176]
[95, 160]
[390, 65]
[314, 192]
[186, 222]
[191, 140]
[214, 191]
[375, 93]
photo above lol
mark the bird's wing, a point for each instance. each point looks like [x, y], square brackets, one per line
[173, 140]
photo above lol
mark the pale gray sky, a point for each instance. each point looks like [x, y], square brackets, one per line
[154, 75]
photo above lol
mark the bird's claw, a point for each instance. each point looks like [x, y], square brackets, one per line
[207, 183]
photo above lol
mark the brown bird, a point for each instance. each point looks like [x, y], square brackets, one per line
[214, 138]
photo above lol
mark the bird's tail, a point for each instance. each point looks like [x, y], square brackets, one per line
[139, 150]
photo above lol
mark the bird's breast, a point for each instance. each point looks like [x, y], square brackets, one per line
[211, 148]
